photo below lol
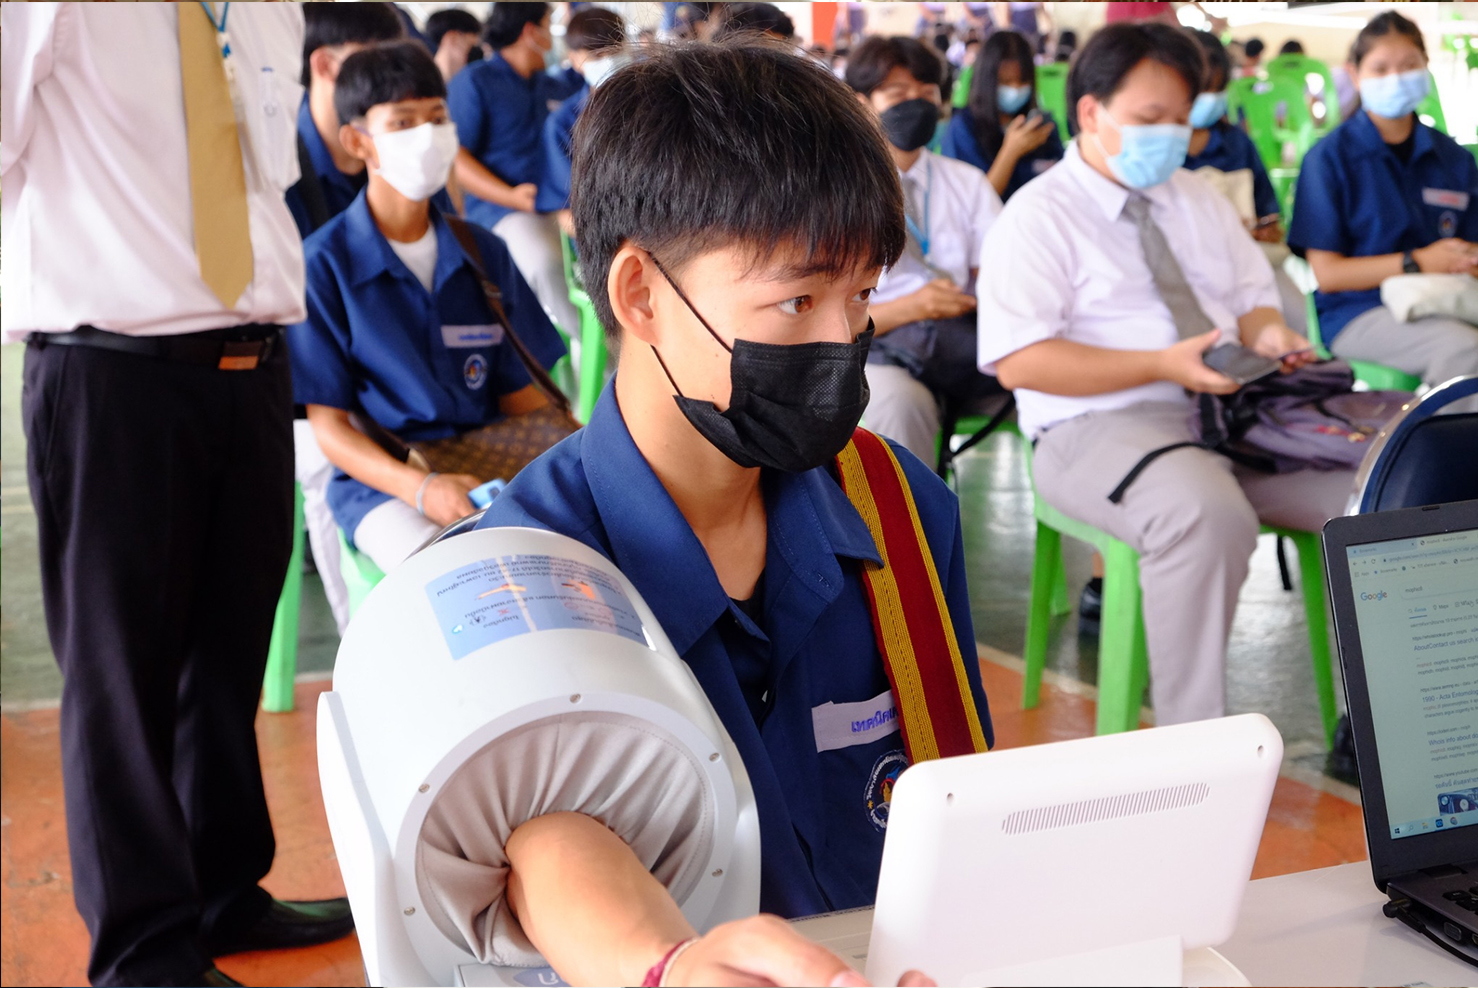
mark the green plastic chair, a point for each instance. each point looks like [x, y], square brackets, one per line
[360, 573]
[1305, 69]
[1430, 110]
[591, 372]
[1123, 658]
[1052, 95]
[1275, 116]
[1378, 377]
[282, 653]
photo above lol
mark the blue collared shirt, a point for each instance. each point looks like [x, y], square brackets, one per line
[822, 813]
[500, 120]
[1229, 149]
[1357, 198]
[424, 365]
[959, 142]
[554, 188]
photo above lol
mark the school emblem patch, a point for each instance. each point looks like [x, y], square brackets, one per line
[475, 371]
[1447, 224]
[879, 795]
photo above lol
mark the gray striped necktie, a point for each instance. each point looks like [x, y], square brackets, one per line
[1190, 319]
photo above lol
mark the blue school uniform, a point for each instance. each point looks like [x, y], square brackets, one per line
[1229, 149]
[822, 813]
[500, 120]
[1357, 198]
[959, 142]
[554, 189]
[424, 365]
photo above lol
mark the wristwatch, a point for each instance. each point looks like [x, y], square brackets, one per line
[1408, 263]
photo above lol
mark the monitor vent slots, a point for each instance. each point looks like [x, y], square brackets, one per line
[1105, 808]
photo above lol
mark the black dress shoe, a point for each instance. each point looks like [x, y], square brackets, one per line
[290, 924]
[1090, 607]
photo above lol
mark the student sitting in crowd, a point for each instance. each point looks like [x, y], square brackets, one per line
[1226, 157]
[398, 328]
[1000, 130]
[923, 308]
[1383, 195]
[1101, 286]
[499, 106]
[455, 38]
[596, 39]
[731, 240]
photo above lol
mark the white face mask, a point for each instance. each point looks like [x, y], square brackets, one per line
[416, 161]
[598, 70]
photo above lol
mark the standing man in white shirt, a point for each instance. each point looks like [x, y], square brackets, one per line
[1089, 280]
[150, 265]
[923, 355]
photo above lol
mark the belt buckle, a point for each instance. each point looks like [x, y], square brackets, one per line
[240, 356]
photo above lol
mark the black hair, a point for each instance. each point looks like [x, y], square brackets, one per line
[328, 24]
[1218, 62]
[1253, 47]
[595, 29]
[985, 114]
[506, 22]
[443, 22]
[1067, 43]
[699, 147]
[870, 62]
[759, 18]
[1381, 25]
[1292, 47]
[1114, 51]
[385, 73]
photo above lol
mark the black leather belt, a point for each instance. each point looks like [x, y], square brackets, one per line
[240, 348]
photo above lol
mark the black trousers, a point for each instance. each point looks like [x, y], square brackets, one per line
[163, 495]
[940, 354]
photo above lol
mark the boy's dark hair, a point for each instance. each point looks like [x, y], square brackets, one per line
[870, 62]
[595, 29]
[1381, 25]
[443, 22]
[385, 74]
[1001, 47]
[1254, 47]
[1218, 62]
[506, 22]
[1292, 47]
[1114, 51]
[757, 18]
[699, 147]
[328, 24]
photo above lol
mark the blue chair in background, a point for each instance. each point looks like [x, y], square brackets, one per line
[1421, 457]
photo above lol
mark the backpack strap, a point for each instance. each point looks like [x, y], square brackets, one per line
[910, 617]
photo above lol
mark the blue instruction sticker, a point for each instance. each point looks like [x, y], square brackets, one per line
[500, 598]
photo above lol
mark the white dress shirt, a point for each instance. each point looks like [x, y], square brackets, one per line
[1062, 262]
[960, 205]
[95, 172]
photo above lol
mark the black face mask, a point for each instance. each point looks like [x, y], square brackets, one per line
[910, 124]
[791, 407]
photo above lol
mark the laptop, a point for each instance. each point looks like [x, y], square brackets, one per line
[1404, 585]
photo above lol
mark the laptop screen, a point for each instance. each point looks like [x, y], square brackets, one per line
[1416, 606]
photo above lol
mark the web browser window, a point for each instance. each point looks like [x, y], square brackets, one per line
[1416, 606]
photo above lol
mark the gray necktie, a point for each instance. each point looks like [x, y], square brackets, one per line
[912, 200]
[1190, 319]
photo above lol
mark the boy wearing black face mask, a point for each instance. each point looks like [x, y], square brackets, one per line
[716, 471]
[924, 307]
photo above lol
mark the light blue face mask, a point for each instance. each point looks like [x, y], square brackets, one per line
[1148, 153]
[1394, 96]
[1010, 99]
[1208, 109]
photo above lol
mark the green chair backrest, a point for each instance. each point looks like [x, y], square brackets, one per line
[1052, 95]
[961, 94]
[1318, 84]
[1275, 116]
[1430, 112]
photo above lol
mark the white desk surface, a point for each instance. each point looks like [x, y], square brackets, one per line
[1321, 927]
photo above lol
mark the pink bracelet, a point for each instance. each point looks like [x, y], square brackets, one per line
[657, 976]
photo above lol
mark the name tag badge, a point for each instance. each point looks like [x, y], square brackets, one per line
[842, 725]
[1445, 198]
[470, 337]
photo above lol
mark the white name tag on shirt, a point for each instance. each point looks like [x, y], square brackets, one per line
[467, 337]
[841, 725]
[1446, 198]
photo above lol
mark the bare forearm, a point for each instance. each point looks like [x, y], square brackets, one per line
[888, 316]
[1001, 169]
[360, 456]
[586, 902]
[1250, 326]
[1062, 367]
[1337, 273]
[474, 177]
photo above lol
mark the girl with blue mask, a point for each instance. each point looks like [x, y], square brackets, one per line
[1000, 130]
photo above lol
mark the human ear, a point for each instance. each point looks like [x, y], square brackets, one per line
[1088, 114]
[359, 144]
[629, 287]
[323, 65]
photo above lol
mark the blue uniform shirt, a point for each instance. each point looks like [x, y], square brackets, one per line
[554, 188]
[1229, 149]
[959, 142]
[500, 120]
[1357, 198]
[822, 813]
[424, 365]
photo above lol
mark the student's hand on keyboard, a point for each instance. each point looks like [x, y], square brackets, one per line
[1183, 364]
[764, 950]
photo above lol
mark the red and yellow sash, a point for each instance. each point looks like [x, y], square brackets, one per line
[909, 614]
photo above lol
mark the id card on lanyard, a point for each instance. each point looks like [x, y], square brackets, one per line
[233, 85]
[922, 237]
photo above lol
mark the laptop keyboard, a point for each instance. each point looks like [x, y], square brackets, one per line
[1464, 898]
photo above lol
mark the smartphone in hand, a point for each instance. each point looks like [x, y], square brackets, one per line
[1239, 363]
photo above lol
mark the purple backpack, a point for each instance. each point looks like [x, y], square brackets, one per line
[1311, 419]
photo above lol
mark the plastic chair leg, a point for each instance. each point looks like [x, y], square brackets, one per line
[1120, 643]
[1046, 572]
[282, 655]
[1061, 603]
[1311, 573]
